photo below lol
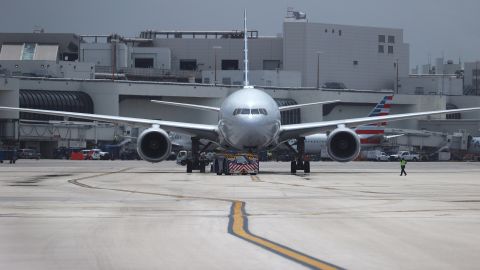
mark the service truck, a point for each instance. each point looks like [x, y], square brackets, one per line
[236, 163]
[407, 155]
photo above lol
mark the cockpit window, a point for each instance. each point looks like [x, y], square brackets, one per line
[248, 111]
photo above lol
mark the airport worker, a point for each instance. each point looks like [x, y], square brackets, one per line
[403, 163]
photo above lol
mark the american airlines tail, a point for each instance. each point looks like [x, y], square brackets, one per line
[373, 134]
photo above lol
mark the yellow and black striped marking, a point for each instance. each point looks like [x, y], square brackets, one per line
[238, 226]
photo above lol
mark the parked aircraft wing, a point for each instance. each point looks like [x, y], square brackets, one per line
[291, 107]
[305, 129]
[204, 131]
[388, 137]
[186, 105]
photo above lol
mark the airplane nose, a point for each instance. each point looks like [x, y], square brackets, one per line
[254, 132]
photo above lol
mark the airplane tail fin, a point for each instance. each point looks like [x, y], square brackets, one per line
[382, 108]
[246, 84]
[372, 133]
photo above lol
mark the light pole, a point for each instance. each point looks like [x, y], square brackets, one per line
[476, 73]
[318, 68]
[395, 64]
[215, 48]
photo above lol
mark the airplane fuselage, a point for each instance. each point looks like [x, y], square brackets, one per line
[249, 120]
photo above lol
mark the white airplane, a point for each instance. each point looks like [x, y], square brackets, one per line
[370, 135]
[248, 120]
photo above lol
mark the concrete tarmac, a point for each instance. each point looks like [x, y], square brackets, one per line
[60, 214]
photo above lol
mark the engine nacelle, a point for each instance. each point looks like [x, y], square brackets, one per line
[154, 145]
[343, 145]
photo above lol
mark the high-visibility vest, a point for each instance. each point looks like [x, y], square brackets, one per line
[403, 162]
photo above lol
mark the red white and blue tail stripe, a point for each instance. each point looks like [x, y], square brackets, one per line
[372, 134]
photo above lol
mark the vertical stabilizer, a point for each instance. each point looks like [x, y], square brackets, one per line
[245, 47]
[372, 134]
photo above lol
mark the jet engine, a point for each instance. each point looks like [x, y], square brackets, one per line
[343, 145]
[154, 145]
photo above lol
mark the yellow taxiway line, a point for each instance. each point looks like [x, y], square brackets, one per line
[238, 226]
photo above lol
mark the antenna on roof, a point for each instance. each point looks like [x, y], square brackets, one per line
[245, 49]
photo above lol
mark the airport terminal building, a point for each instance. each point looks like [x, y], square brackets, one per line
[117, 75]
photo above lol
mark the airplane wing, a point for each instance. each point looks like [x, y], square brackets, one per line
[291, 107]
[186, 105]
[305, 129]
[393, 136]
[204, 131]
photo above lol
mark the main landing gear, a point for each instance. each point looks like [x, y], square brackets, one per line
[196, 162]
[300, 163]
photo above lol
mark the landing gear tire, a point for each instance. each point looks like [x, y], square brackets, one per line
[306, 166]
[216, 167]
[189, 166]
[202, 166]
[293, 167]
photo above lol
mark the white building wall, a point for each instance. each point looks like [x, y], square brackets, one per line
[373, 70]
[97, 53]
[54, 69]
[278, 78]
[469, 71]
[431, 85]
[161, 56]
[100, 54]
[201, 49]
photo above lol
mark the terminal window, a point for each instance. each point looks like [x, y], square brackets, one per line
[381, 38]
[188, 64]
[229, 64]
[390, 49]
[391, 39]
[271, 64]
[28, 51]
[144, 62]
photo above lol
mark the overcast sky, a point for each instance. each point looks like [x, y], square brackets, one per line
[431, 27]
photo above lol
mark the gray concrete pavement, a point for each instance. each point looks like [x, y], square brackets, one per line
[136, 215]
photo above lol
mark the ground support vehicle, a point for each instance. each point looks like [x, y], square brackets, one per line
[236, 163]
[95, 154]
[182, 157]
[407, 155]
[28, 154]
[8, 155]
[376, 155]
